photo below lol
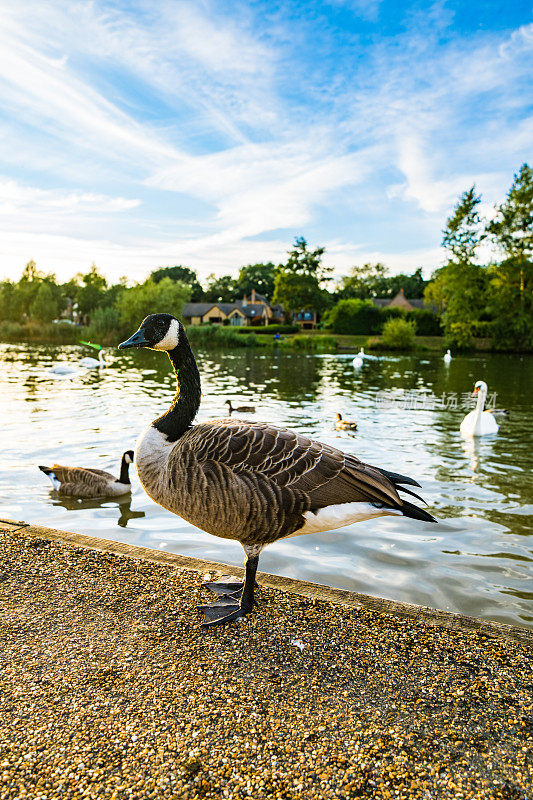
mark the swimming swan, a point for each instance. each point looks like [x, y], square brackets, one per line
[479, 422]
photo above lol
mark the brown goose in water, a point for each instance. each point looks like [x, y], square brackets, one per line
[240, 409]
[89, 482]
[249, 481]
[345, 424]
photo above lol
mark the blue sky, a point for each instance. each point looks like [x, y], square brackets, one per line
[141, 134]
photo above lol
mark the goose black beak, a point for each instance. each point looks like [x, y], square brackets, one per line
[137, 340]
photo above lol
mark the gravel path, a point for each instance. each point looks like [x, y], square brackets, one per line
[109, 689]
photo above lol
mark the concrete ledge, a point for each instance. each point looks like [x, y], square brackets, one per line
[314, 591]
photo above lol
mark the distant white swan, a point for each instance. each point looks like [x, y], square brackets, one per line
[479, 422]
[94, 363]
[64, 370]
[357, 362]
[447, 357]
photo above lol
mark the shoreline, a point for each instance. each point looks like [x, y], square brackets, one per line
[303, 340]
[307, 589]
[109, 689]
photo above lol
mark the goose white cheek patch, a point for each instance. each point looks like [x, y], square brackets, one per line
[171, 338]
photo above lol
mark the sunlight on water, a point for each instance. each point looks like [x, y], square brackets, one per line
[477, 561]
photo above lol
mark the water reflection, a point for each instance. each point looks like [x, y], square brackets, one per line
[123, 504]
[477, 561]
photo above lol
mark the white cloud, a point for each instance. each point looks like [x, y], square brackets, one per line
[18, 201]
[185, 100]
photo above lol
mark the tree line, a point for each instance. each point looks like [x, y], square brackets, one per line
[472, 299]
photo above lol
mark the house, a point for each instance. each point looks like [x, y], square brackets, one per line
[306, 319]
[399, 301]
[255, 310]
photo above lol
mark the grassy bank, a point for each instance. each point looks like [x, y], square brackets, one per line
[219, 336]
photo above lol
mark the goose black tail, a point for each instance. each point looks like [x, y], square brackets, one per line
[410, 510]
[46, 470]
[398, 479]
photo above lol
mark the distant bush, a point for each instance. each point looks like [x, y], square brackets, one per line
[399, 334]
[106, 322]
[39, 332]
[427, 322]
[363, 317]
[303, 342]
[353, 317]
[269, 329]
[219, 336]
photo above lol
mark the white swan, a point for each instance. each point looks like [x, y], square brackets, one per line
[94, 363]
[479, 422]
[361, 356]
[64, 370]
[447, 357]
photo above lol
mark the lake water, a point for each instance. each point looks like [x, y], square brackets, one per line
[477, 561]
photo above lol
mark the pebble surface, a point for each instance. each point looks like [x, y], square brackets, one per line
[109, 689]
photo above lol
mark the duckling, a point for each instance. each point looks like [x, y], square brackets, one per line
[345, 424]
[89, 482]
[240, 409]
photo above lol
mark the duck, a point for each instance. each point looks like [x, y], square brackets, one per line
[345, 424]
[447, 357]
[94, 363]
[89, 482]
[252, 482]
[240, 409]
[479, 422]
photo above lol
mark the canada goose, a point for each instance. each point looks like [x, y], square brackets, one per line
[479, 422]
[89, 482]
[447, 357]
[94, 363]
[345, 424]
[249, 481]
[240, 409]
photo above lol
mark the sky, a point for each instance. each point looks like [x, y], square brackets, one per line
[211, 134]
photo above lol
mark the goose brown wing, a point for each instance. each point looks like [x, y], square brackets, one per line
[326, 475]
[80, 474]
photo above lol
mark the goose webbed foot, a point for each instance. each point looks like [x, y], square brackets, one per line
[225, 586]
[235, 599]
[227, 609]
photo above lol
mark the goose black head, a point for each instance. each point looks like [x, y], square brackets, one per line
[156, 332]
[128, 456]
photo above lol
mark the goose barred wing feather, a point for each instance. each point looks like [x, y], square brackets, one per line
[82, 482]
[72, 474]
[290, 460]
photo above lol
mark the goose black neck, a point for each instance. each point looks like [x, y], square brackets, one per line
[186, 403]
[124, 471]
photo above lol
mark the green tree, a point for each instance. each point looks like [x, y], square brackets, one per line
[184, 275]
[9, 305]
[362, 282]
[459, 288]
[92, 291]
[30, 273]
[220, 288]
[511, 280]
[298, 285]
[260, 277]
[137, 302]
[45, 305]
